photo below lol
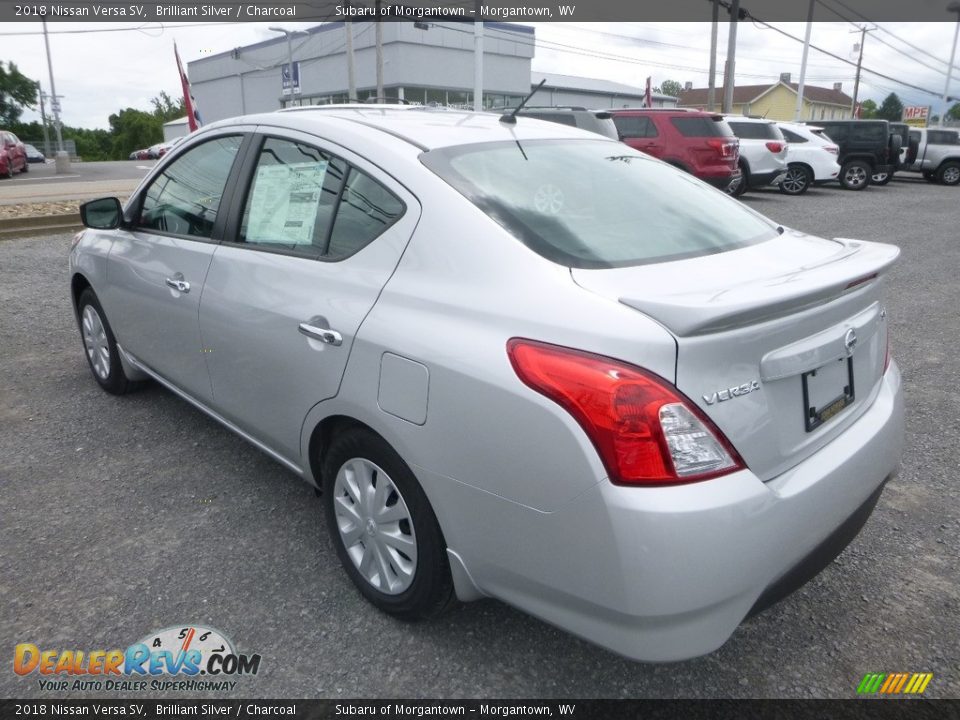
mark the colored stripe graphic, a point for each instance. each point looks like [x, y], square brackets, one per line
[894, 683]
[871, 683]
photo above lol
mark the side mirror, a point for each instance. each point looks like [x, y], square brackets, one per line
[102, 214]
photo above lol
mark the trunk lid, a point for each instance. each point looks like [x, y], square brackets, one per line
[766, 333]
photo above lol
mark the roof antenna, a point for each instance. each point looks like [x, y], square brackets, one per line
[511, 117]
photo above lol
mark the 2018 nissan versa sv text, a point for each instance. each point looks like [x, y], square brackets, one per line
[521, 360]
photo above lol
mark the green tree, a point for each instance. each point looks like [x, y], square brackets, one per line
[891, 109]
[166, 109]
[868, 110]
[133, 129]
[670, 87]
[16, 91]
[954, 112]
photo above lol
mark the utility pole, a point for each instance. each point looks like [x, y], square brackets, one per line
[477, 59]
[712, 87]
[728, 75]
[43, 120]
[856, 83]
[379, 33]
[351, 75]
[797, 115]
[953, 7]
[63, 162]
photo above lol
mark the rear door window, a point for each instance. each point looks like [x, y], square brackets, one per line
[635, 126]
[793, 137]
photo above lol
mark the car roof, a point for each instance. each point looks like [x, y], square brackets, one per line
[422, 127]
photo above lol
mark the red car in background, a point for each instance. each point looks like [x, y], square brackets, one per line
[699, 142]
[13, 155]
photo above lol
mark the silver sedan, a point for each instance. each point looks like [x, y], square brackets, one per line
[520, 360]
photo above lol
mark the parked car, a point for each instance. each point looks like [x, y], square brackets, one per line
[811, 158]
[521, 360]
[699, 143]
[34, 155]
[763, 153]
[597, 121]
[937, 155]
[164, 148]
[13, 155]
[142, 154]
[865, 149]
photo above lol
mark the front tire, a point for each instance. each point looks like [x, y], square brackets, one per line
[797, 180]
[949, 173]
[383, 528]
[100, 346]
[855, 175]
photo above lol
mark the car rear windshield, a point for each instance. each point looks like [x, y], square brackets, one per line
[596, 204]
[755, 130]
[702, 127]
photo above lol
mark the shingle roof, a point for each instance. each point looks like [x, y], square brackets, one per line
[748, 93]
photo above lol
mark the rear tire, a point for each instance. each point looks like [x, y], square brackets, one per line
[26, 166]
[738, 187]
[797, 181]
[949, 173]
[383, 528]
[100, 346]
[855, 175]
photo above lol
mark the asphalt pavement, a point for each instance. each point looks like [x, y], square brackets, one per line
[83, 181]
[123, 516]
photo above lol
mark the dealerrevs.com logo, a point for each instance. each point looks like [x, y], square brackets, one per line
[181, 659]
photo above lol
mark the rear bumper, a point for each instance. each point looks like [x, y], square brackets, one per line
[661, 574]
[772, 177]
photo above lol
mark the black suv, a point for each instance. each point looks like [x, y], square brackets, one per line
[598, 121]
[865, 149]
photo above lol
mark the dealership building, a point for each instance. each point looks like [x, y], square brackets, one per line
[423, 63]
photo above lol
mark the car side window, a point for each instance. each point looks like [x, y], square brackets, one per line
[366, 209]
[792, 136]
[292, 198]
[635, 126]
[185, 197]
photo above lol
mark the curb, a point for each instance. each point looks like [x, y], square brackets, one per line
[46, 225]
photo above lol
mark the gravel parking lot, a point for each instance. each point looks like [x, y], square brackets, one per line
[122, 516]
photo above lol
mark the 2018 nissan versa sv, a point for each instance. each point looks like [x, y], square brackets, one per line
[521, 360]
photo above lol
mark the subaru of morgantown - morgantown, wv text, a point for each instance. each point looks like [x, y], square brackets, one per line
[520, 360]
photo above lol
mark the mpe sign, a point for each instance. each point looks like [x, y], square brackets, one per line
[916, 115]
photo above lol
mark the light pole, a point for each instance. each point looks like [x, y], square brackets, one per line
[953, 7]
[289, 33]
[62, 159]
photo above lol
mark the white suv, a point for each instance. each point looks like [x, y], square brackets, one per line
[763, 153]
[811, 158]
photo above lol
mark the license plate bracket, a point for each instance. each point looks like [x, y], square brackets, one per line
[820, 381]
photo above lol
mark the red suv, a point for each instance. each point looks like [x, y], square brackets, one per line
[699, 142]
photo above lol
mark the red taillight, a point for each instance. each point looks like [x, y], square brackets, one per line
[832, 149]
[774, 147]
[723, 147]
[645, 431]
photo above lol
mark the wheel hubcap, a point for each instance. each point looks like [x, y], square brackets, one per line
[95, 341]
[375, 526]
[879, 177]
[951, 175]
[795, 181]
[856, 176]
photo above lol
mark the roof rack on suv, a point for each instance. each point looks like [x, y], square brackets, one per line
[661, 109]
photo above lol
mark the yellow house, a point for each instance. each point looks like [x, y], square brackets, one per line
[777, 101]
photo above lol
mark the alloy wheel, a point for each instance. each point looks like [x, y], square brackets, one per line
[855, 176]
[951, 175]
[795, 181]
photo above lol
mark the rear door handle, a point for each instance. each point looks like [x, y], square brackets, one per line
[178, 284]
[324, 335]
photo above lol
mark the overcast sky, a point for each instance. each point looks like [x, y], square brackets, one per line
[125, 64]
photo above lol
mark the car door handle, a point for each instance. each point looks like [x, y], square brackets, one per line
[178, 285]
[325, 335]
